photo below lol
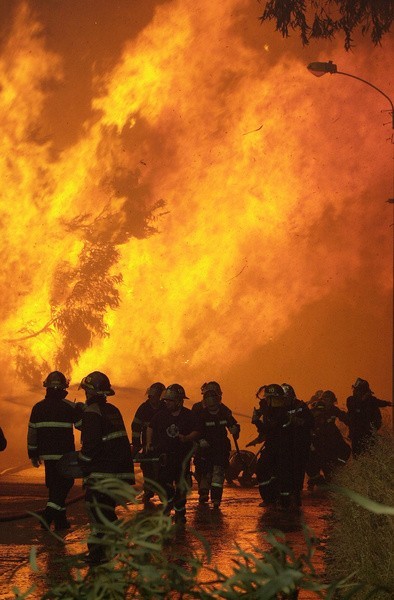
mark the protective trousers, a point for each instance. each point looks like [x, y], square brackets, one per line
[212, 480]
[58, 489]
[174, 479]
[99, 507]
[150, 472]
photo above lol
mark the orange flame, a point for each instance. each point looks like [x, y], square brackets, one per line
[215, 193]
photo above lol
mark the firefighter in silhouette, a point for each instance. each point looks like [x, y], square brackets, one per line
[284, 423]
[364, 415]
[201, 452]
[328, 448]
[50, 435]
[330, 402]
[3, 441]
[172, 432]
[105, 452]
[143, 416]
[213, 422]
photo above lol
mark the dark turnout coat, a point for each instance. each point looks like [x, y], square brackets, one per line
[51, 426]
[105, 447]
[143, 416]
[287, 434]
[213, 429]
[3, 441]
[364, 418]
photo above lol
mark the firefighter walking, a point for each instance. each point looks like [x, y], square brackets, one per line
[213, 422]
[364, 415]
[284, 422]
[105, 452]
[172, 432]
[143, 416]
[50, 435]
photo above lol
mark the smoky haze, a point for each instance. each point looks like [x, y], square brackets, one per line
[183, 202]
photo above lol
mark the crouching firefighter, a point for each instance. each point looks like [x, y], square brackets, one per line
[328, 448]
[105, 453]
[50, 435]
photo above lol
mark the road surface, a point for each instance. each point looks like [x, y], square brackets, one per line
[239, 520]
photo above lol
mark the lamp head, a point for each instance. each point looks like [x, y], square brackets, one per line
[321, 68]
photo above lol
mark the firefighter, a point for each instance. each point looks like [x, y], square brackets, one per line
[3, 441]
[330, 401]
[364, 415]
[284, 422]
[328, 447]
[50, 435]
[316, 396]
[172, 432]
[199, 458]
[214, 420]
[143, 416]
[210, 386]
[105, 452]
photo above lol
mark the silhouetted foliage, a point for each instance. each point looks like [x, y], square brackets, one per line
[80, 318]
[324, 19]
[29, 369]
[81, 295]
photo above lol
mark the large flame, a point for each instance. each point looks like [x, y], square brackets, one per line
[215, 192]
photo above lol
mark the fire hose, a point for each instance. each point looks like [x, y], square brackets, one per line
[72, 464]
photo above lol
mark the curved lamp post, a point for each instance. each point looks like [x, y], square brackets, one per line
[321, 68]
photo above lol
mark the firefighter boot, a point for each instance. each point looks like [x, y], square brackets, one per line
[48, 516]
[61, 522]
[180, 516]
[203, 496]
[216, 496]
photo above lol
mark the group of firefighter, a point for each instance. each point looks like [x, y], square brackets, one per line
[295, 438]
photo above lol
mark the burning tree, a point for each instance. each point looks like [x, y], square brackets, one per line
[324, 19]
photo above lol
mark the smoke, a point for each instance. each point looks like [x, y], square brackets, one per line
[180, 194]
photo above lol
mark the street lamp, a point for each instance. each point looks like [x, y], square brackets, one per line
[321, 68]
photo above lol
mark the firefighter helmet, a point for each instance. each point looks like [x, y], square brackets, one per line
[156, 389]
[316, 396]
[361, 386]
[56, 380]
[329, 398]
[288, 390]
[98, 383]
[274, 395]
[213, 387]
[174, 392]
[274, 390]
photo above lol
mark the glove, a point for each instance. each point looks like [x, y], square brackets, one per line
[35, 462]
[134, 450]
[258, 440]
[234, 430]
[256, 416]
[203, 443]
